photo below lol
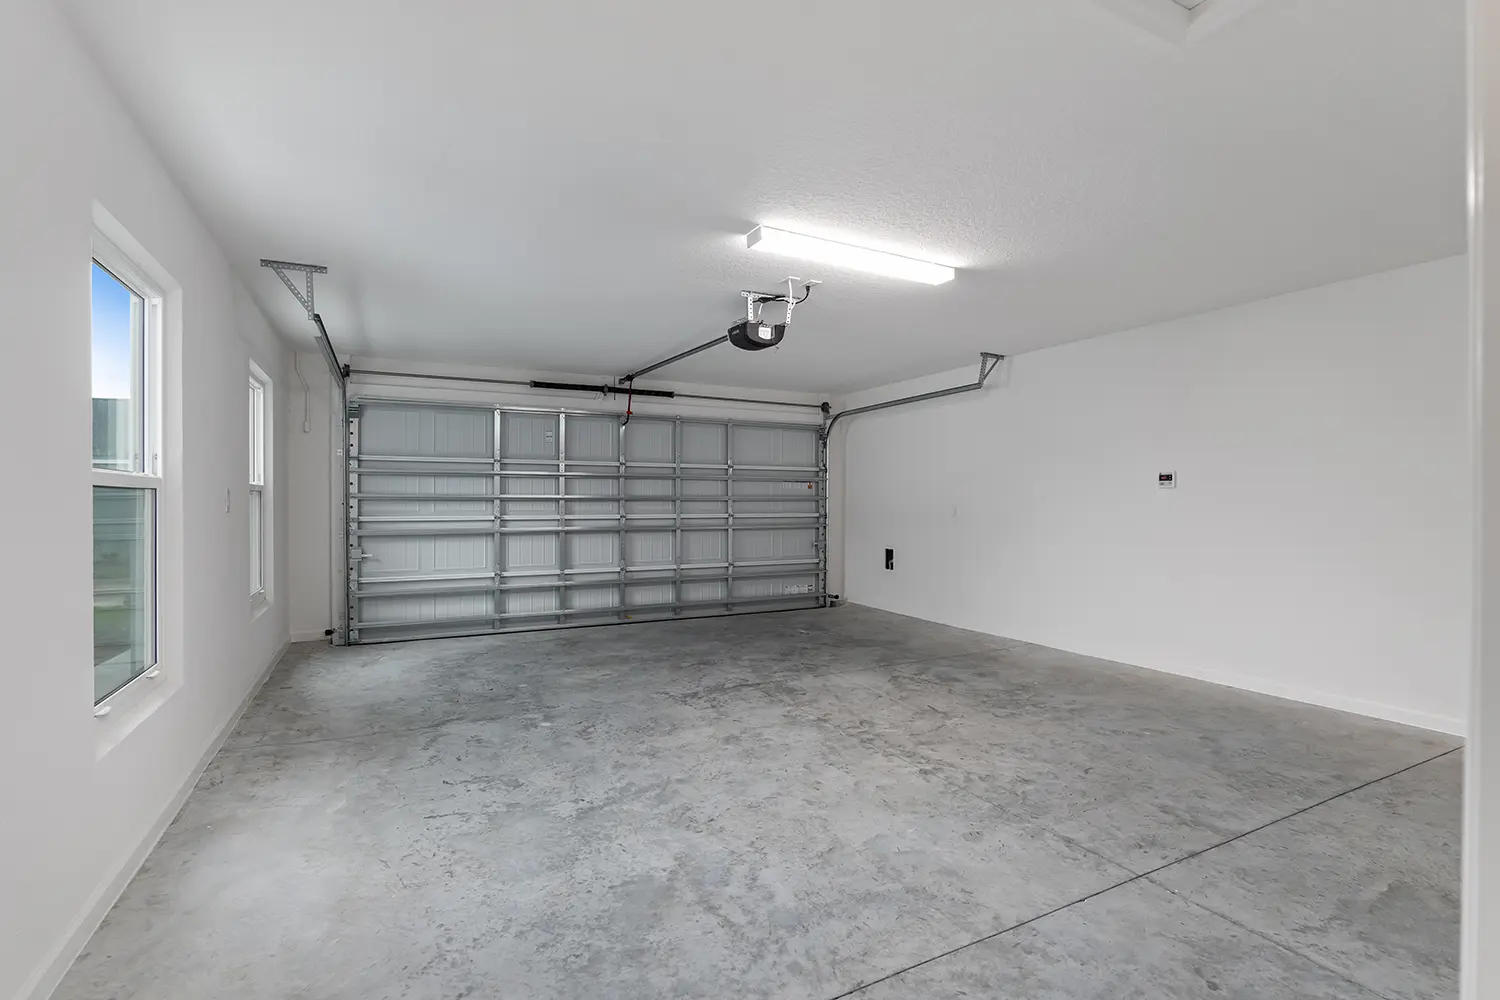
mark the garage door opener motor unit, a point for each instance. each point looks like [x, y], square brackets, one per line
[752, 333]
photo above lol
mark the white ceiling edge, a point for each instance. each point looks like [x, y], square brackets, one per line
[483, 394]
[1173, 23]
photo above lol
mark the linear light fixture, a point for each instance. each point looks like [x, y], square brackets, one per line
[847, 255]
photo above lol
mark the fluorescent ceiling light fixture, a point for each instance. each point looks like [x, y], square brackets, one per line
[846, 255]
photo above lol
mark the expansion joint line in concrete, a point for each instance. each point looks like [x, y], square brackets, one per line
[1143, 875]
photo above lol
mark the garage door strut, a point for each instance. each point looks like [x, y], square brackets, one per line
[987, 363]
[304, 297]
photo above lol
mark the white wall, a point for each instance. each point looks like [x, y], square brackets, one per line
[81, 799]
[1317, 546]
[310, 483]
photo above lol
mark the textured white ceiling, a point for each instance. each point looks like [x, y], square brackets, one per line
[565, 185]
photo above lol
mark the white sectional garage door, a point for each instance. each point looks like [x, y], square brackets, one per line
[465, 519]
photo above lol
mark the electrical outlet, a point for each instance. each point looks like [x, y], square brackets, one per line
[890, 558]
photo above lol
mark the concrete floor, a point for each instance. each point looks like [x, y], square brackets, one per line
[802, 805]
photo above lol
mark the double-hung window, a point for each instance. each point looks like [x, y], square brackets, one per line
[126, 320]
[259, 388]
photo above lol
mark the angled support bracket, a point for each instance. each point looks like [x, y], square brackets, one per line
[987, 363]
[305, 295]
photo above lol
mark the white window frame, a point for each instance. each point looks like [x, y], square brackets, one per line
[259, 468]
[148, 367]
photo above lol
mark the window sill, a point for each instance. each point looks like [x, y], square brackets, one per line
[259, 605]
[128, 707]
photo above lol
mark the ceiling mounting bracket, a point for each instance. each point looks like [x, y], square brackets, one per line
[987, 363]
[304, 296]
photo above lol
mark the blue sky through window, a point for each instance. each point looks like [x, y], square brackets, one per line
[111, 336]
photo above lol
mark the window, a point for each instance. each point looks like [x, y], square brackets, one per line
[126, 321]
[259, 386]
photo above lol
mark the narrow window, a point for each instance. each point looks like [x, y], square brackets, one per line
[126, 320]
[259, 386]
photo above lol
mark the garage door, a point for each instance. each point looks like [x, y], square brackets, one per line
[465, 519]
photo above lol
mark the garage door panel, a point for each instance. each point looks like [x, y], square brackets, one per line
[763, 588]
[704, 591]
[776, 496]
[648, 595]
[772, 446]
[483, 519]
[599, 598]
[703, 443]
[424, 554]
[420, 485]
[700, 546]
[705, 496]
[516, 488]
[648, 549]
[777, 510]
[647, 523]
[648, 497]
[424, 496]
[593, 439]
[461, 554]
[607, 489]
[648, 440]
[529, 602]
[406, 609]
[765, 544]
[390, 556]
[587, 577]
[529, 436]
[414, 431]
[531, 552]
[479, 511]
[644, 487]
[593, 550]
